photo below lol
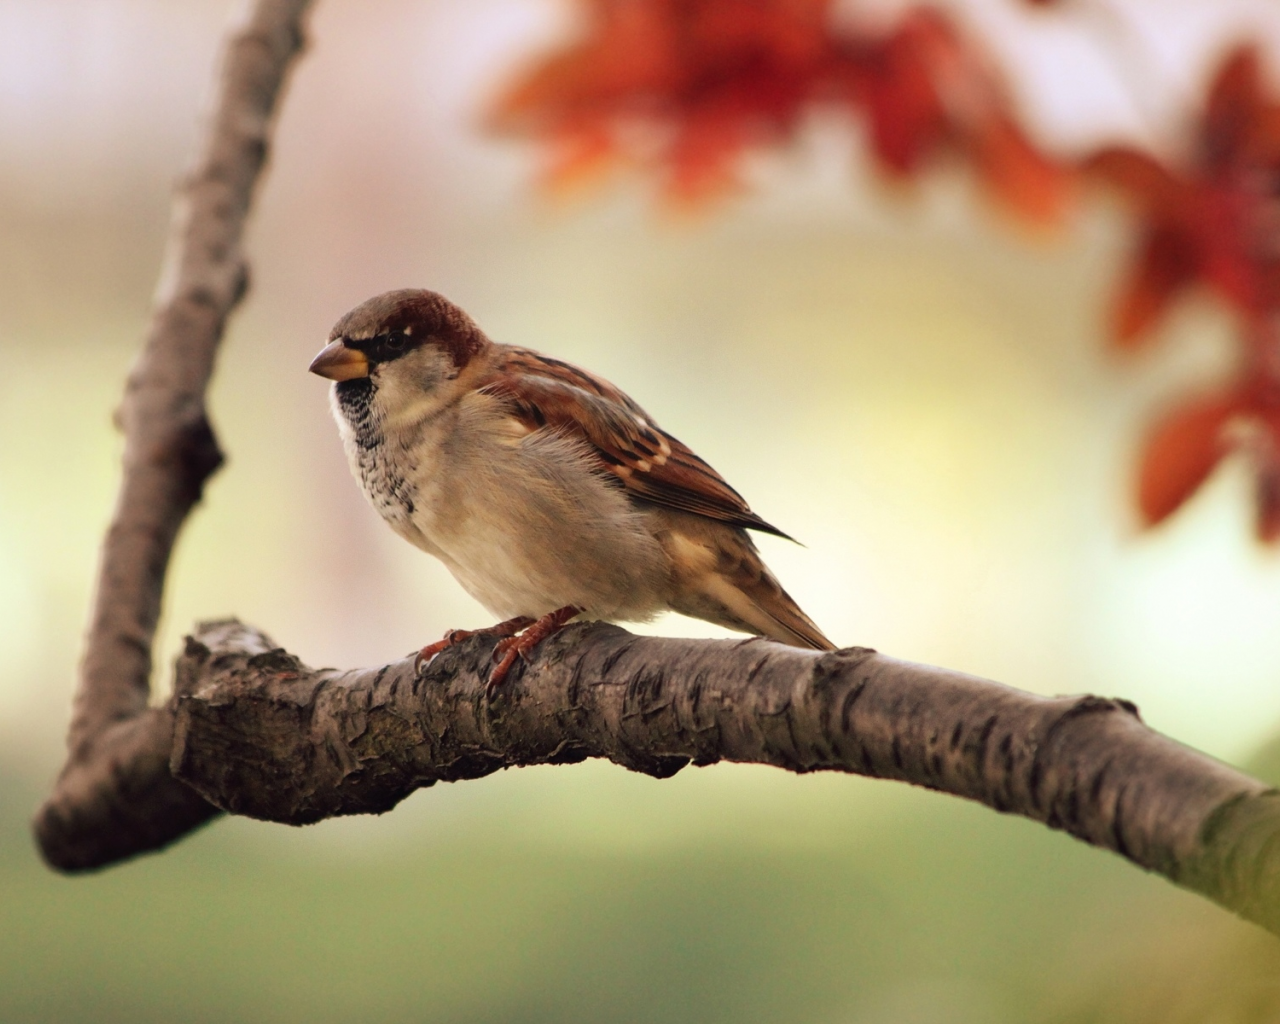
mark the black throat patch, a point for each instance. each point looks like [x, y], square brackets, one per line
[378, 464]
[355, 399]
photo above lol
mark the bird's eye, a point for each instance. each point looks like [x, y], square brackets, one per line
[388, 346]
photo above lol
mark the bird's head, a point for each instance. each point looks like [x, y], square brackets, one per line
[406, 345]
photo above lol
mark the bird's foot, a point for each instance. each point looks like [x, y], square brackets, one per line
[519, 646]
[456, 636]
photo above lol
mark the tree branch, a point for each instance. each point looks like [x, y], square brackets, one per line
[170, 449]
[258, 733]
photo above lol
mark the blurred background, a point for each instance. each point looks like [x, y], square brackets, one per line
[909, 382]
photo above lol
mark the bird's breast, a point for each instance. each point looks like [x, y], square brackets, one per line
[523, 520]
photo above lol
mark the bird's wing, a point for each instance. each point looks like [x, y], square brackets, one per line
[647, 461]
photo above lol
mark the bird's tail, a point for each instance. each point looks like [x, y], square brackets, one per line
[737, 590]
[777, 616]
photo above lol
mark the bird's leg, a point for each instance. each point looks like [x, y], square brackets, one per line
[456, 636]
[519, 646]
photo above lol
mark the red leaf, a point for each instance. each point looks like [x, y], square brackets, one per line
[1267, 501]
[584, 154]
[1168, 263]
[688, 86]
[1181, 453]
[702, 157]
[906, 112]
[1139, 176]
[1233, 108]
[1264, 446]
[975, 116]
[1214, 221]
[1025, 179]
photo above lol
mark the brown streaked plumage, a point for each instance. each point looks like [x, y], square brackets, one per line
[547, 491]
[649, 462]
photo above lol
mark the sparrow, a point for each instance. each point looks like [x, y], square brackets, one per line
[546, 491]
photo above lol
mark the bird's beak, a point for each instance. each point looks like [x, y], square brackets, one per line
[337, 362]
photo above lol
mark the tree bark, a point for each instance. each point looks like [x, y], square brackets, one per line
[170, 451]
[256, 732]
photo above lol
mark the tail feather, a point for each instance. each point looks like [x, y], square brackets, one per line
[727, 583]
[774, 613]
[797, 625]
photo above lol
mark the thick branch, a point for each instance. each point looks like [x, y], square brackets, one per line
[170, 449]
[258, 733]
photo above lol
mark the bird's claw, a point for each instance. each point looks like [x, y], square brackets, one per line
[505, 653]
[520, 645]
[514, 643]
[456, 636]
[431, 650]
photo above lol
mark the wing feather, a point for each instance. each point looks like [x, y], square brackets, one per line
[648, 462]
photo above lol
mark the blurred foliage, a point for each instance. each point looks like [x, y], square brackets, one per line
[1211, 221]
[689, 86]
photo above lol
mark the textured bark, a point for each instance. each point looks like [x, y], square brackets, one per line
[258, 733]
[170, 451]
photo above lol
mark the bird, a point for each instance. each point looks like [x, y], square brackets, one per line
[546, 491]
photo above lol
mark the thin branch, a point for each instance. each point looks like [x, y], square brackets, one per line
[170, 448]
[258, 733]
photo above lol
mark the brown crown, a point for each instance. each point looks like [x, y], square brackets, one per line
[422, 315]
